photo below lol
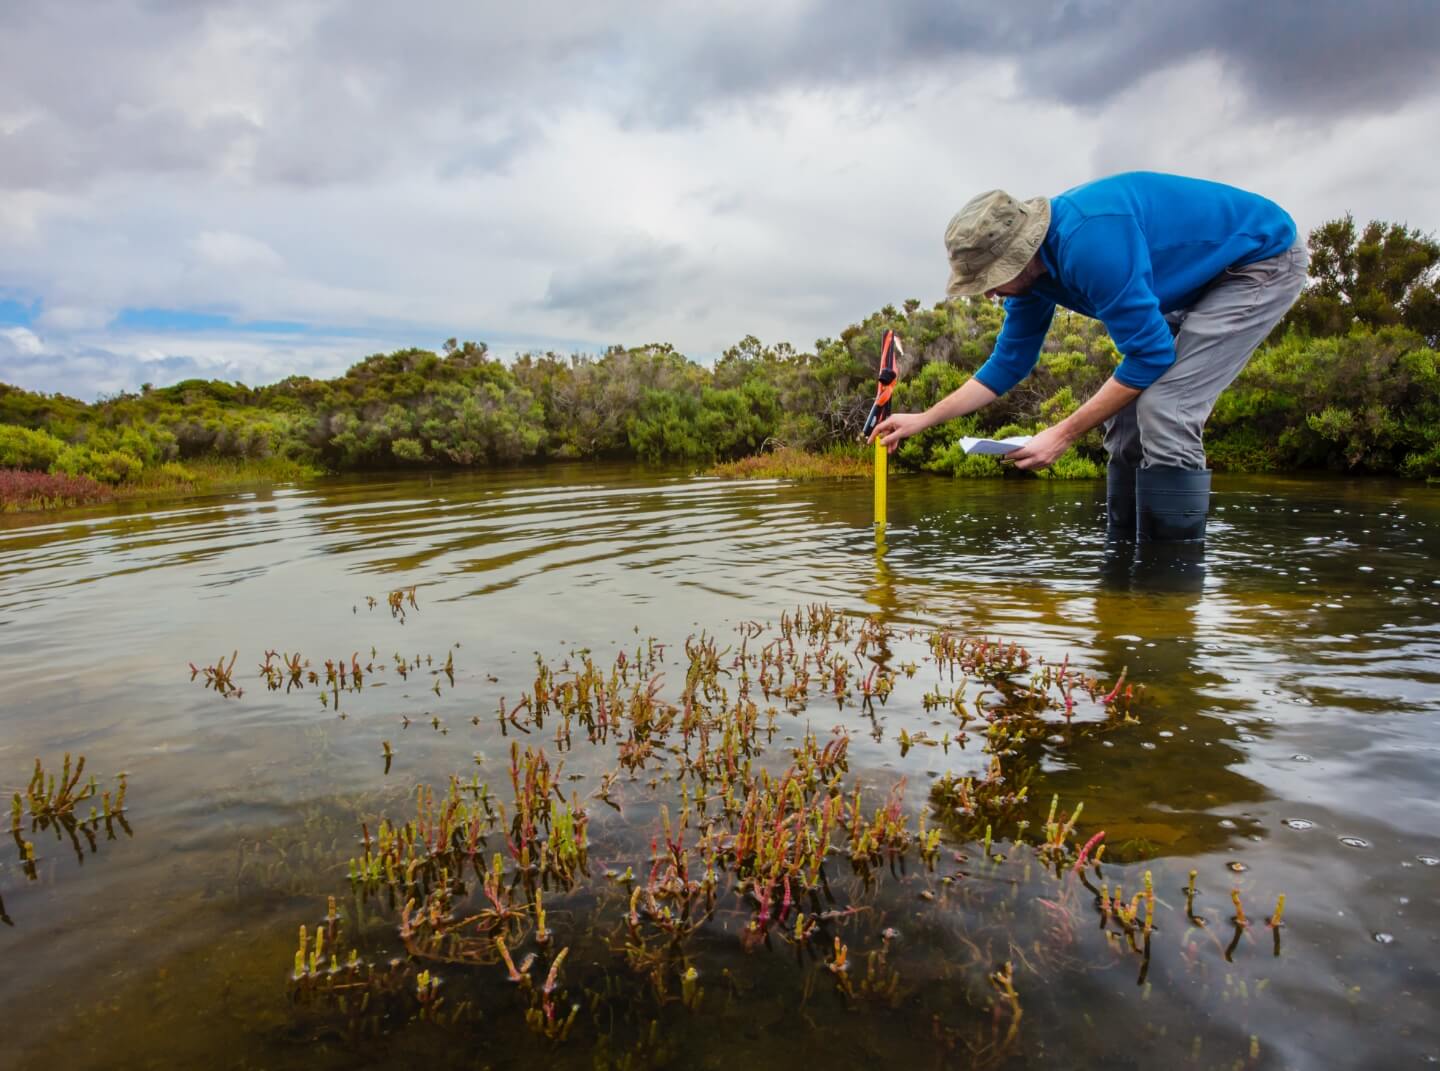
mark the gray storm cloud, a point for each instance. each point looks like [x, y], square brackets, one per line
[318, 94]
[608, 290]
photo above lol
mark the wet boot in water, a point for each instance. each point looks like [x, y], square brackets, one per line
[1171, 504]
[1120, 502]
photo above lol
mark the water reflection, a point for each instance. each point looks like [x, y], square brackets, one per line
[881, 592]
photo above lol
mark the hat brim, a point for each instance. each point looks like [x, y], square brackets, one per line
[1027, 242]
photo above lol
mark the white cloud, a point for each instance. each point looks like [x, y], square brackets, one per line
[226, 249]
[80, 316]
[21, 341]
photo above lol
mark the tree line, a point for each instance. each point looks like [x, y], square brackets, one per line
[1348, 382]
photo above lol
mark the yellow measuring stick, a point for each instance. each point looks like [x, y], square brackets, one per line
[889, 347]
[881, 454]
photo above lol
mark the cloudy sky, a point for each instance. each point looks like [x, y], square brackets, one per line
[250, 189]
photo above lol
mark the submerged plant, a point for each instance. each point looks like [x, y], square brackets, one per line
[750, 842]
[50, 803]
[399, 599]
[220, 676]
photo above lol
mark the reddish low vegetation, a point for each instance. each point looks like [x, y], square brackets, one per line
[21, 490]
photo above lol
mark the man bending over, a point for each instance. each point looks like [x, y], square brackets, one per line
[1187, 276]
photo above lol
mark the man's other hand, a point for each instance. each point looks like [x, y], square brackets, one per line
[1042, 450]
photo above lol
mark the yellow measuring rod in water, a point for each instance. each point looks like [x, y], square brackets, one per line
[884, 388]
[881, 454]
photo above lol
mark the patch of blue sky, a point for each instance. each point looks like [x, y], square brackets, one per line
[17, 313]
[188, 321]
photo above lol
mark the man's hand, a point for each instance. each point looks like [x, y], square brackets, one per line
[966, 398]
[898, 426]
[1047, 446]
[1042, 450]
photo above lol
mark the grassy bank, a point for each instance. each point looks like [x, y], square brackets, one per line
[24, 492]
[791, 463]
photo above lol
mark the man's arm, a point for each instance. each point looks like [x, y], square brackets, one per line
[1027, 319]
[1017, 347]
[1049, 444]
[966, 398]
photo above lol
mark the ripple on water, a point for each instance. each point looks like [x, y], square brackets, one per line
[1384, 938]
[1236, 866]
[1298, 823]
[1354, 842]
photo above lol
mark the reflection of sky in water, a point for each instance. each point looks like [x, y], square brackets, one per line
[1291, 675]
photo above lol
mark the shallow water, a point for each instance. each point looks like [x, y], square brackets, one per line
[1288, 742]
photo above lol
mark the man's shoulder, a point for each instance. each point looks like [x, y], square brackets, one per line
[1124, 183]
[1073, 216]
[1137, 191]
[1114, 194]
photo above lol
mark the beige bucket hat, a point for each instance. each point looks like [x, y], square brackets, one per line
[991, 239]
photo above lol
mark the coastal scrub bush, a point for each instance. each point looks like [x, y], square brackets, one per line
[25, 448]
[1072, 465]
[105, 466]
[1368, 400]
[407, 449]
[666, 427]
[951, 460]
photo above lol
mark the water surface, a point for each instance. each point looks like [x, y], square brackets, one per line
[1288, 742]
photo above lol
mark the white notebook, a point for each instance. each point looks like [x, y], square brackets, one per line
[973, 445]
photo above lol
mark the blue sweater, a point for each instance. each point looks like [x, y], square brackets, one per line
[1126, 250]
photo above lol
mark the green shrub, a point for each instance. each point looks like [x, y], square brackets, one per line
[408, 449]
[1241, 449]
[24, 448]
[1424, 463]
[106, 466]
[1368, 400]
[1071, 465]
[1065, 363]
[1058, 406]
[951, 460]
[174, 471]
[666, 428]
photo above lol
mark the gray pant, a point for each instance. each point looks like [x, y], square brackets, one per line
[1213, 340]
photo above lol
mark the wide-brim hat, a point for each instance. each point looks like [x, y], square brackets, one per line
[991, 239]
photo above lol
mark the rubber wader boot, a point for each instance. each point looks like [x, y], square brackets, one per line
[1171, 504]
[1120, 502]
